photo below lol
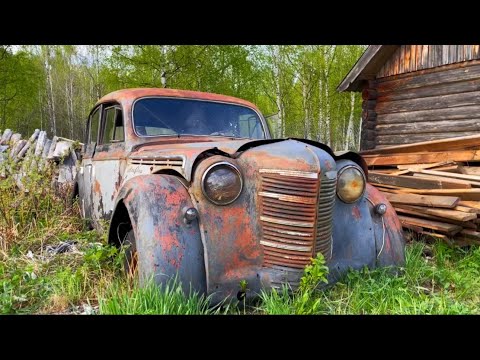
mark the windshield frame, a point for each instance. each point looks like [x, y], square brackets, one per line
[266, 130]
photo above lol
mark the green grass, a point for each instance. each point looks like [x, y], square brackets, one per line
[446, 282]
[437, 279]
[127, 298]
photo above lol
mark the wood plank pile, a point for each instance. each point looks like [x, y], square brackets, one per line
[34, 153]
[434, 186]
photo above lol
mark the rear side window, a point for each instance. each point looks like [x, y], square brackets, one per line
[113, 126]
[94, 124]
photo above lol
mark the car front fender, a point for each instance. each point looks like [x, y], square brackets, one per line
[361, 237]
[167, 245]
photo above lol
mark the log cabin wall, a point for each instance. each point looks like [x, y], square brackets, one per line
[422, 92]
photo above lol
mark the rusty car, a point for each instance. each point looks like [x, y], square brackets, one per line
[197, 187]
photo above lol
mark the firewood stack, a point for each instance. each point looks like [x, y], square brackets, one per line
[35, 152]
[434, 186]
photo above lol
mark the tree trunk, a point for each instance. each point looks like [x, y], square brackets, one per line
[349, 140]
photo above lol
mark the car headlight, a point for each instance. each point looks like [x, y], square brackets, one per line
[350, 184]
[222, 183]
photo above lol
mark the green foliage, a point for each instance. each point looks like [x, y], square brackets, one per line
[55, 87]
[445, 283]
[314, 274]
[127, 298]
[302, 301]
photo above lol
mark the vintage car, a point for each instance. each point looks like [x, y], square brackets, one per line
[197, 187]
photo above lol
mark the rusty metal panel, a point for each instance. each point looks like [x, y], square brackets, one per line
[326, 203]
[288, 224]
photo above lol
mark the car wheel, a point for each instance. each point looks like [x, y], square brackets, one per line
[130, 263]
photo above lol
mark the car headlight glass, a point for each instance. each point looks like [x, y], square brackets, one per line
[350, 184]
[222, 183]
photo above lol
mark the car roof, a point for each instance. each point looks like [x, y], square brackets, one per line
[128, 95]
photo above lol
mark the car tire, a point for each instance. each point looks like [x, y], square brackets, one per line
[130, 263]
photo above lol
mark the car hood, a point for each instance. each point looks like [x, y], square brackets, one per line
[182, 156]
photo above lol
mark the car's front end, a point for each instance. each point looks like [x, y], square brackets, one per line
[213, 200]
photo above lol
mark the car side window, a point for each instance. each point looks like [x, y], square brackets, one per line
[113, 127]
[94, 124]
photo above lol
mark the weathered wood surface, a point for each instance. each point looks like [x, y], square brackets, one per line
[421, 157]
[421, 105]
[442, 145]
[445, 228]
[442, 213]
[409, 58]
[432, 201]
[34, 153]
[413, 182]
[401, 209]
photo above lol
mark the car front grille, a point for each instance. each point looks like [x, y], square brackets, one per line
[295, 217]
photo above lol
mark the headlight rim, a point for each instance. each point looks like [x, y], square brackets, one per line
[208, 169]
[339, 174]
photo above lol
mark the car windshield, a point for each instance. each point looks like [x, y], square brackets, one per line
[165, 116]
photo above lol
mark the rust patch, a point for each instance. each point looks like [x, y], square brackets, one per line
[356, 212]
[96, 187]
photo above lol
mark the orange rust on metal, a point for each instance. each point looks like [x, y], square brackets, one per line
[356, 212]
[132, 94]
[288, 211]
[96, 187]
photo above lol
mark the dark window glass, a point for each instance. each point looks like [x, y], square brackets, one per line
[113, 126]
[94, 122]
[158, 116]
[119, 134]
[109, 125]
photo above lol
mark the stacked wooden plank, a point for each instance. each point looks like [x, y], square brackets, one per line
[34, 153]
[434, 186]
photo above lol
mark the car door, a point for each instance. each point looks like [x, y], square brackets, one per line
[109, 162]
[85, 172]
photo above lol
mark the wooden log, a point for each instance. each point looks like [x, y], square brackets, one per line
[370, 115]
[430, 77]
[7, 134]
[462, 143]
[429, 127]
[368, 104]
[443, 228]
[53, 145]
[448, 202]
[455, 113]
[16, 149]
[430, 91]
[27, 146]
[15, 138]
[370, 125]
[402, 139]
[421, 157]
[461, 184]
[370, 134]
[442, 213]
[413, 182]
[369, 94]
[42, 137]
[45, 151]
